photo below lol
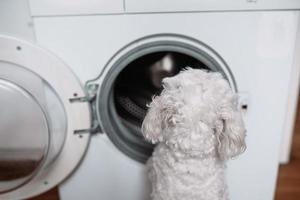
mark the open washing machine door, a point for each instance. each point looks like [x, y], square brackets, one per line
[39, 146]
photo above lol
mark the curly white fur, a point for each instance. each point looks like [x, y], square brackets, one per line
[197, 125]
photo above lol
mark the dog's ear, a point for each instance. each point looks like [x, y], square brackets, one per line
[231, 131]
[157, 118]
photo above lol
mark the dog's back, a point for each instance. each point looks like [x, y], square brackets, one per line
[198, 127]
[176, 176]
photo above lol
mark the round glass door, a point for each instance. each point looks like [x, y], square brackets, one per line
[24, 136]
[32, 126]
[39, 147]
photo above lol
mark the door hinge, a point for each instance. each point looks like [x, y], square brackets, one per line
[93, 130]
[91, 91]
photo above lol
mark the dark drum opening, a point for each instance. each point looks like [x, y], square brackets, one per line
[134, 88]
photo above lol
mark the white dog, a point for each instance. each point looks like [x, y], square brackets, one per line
[197, 125]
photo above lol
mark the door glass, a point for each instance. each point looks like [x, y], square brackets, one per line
[31, 115]
[24, 136]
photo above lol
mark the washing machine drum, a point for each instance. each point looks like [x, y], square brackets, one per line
[46, 117]
[140, 80]
[133, 80]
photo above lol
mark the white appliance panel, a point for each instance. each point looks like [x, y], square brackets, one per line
[78, 7]
[208, 5]
[15, 19]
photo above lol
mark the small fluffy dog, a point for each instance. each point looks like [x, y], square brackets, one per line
[198, 126]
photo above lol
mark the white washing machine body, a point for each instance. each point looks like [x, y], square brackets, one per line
[255, 50]
[257, 46]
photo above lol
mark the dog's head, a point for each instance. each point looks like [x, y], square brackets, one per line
[197, 113]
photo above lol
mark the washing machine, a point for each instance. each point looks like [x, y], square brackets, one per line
[76, 78]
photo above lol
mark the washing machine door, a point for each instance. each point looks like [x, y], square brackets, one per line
[39, 146]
